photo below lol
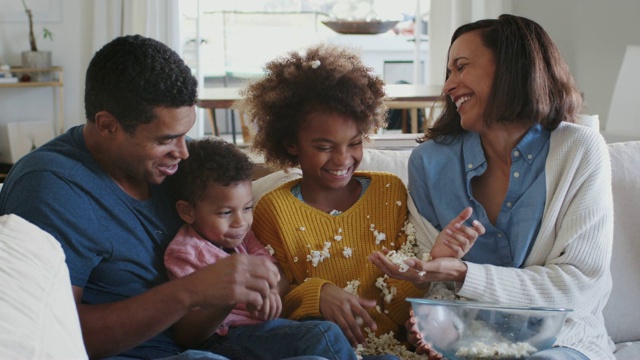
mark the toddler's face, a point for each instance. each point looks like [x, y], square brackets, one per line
[224, 214]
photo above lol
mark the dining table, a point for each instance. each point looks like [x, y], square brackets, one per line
[399, 96]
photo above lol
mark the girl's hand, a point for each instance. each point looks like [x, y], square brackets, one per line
[421, 273]
[415, 338]
[345, 309]
[456, 239]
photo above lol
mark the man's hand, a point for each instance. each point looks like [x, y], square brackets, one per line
[236, 279]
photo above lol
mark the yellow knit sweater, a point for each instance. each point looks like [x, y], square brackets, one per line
[313, 247]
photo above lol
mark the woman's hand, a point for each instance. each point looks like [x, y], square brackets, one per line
[345, 309]
[421, 273]
[456, 239]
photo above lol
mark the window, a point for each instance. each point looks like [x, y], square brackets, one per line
[239, 37]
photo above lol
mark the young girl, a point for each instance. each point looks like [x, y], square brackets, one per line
[213, 196]
[314, 110]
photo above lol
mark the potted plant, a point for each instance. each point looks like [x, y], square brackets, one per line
[36, 59]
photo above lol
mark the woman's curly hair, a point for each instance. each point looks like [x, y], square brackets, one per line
[211, 161]
[323, 78]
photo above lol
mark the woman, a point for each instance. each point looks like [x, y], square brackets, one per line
[506, 146]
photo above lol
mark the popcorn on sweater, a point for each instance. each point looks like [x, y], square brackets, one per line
[315, 248]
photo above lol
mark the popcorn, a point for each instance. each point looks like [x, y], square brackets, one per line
[385, 344]
[270, 249]
[352, 287]
[315, 64]
[501, 350]
[492, 345]
[295, 259]
[302, 228]
[317, 256]
[399, 203]
[347, 252]
[337, 238]
[387, 293]
[380, 236]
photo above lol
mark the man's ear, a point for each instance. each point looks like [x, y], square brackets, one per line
[185, 210]
[106, 123]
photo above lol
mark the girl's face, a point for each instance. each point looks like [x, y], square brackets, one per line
[471, 70]
[329, 149]
[223, 215]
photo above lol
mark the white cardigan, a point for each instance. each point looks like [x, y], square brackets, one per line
[569, 263]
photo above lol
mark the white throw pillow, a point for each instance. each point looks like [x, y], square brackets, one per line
[38, 315]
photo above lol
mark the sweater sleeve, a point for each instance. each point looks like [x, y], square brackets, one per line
[398, 308]
[302, 300]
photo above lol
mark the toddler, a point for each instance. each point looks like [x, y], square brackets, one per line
[212, 189]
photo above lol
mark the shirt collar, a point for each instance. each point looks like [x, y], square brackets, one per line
[529, 147]
[531, 144]
[472, 150]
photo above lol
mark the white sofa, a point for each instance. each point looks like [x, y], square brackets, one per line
[622, 319]
[59, 325]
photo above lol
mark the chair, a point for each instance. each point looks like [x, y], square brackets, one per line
[624, 112]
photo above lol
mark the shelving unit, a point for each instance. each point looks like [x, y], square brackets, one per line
[56, 83]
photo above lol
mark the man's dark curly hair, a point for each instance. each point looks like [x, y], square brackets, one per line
[131, 75]
[323, 78]
[211, 161]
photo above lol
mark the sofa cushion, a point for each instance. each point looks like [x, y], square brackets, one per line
[628, 351]
[621, 316]
[39, 317]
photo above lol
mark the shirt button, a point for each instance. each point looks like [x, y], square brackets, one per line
[516, 174]
[529, 156]
[470, 165]
[516, 153]
[509, 204]
[499, 235]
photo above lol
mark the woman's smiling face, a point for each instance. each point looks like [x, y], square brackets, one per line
[471, 71]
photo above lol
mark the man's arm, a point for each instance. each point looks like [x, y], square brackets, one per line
[110, 329]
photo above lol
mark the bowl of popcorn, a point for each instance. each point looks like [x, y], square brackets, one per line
[474, 330]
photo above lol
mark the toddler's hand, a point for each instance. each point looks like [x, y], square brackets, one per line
[272, 307]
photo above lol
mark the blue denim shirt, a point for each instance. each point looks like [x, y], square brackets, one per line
[440, 185]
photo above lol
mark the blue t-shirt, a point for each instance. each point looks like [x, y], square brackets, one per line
[114, 244]
[440, 185]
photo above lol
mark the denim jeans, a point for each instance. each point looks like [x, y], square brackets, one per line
[206, 355]
[558, 353]
[281, 339]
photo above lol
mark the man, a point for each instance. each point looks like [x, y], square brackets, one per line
[99, 190]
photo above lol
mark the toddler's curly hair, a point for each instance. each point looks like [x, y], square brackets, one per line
[211, 161]
[323, 78]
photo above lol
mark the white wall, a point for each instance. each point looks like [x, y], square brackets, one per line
[70, 49]
[591, 34]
